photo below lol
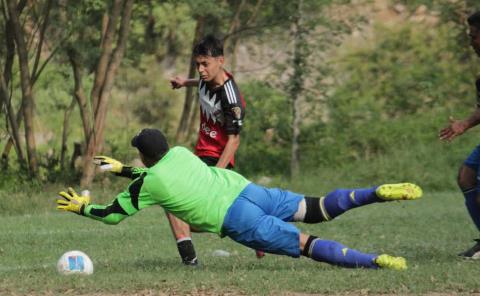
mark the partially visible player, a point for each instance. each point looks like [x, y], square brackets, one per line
[222, 111]
[224, 202]
[469, 172]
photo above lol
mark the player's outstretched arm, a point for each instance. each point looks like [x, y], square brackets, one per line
[179, 82]
[121, 207]
[108, 164]
[458, 127]
[125, 204]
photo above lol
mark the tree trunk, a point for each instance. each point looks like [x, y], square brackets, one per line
[194, 118]
[41, 38]
[187, 106]
[232, 39]
[234, 26]
[9, 145]
[14, 134]
[107, 48]
[12, 120]
[85, 112]
[27, 96]
[66, 121]
[100, 108]
[7, 73]
[297, 86]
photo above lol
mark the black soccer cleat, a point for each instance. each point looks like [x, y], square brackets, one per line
[473, 252]
[193, 262]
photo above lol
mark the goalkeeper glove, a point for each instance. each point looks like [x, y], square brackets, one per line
[108, 164]
[72, 202]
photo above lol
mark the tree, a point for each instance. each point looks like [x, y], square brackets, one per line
[26, 84]
[300, 52]
[112, 48]
[187, 106]
[16, 34]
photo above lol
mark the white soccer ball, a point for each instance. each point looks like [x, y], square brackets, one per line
[74, 262]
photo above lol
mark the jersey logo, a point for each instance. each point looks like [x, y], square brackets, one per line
[237, 112]
[210, 109]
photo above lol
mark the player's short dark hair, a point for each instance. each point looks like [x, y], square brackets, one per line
[474, 20]
[209, 46]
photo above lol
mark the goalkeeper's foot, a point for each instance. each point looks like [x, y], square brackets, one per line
[401, 191]
[390, 262]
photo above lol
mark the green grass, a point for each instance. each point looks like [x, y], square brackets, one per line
[140, 255]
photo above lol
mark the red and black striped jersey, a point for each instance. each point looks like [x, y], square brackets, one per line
[221, 114]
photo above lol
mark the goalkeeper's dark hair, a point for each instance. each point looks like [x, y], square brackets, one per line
[474, 20]
[151, 143]
[209, 46]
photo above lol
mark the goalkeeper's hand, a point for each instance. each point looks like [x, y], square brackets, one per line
[108, 164]
[72, 202]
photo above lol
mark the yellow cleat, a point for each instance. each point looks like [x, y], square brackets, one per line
[401, 191]
[390, 262]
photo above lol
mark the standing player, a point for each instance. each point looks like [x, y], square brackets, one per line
[224, 202]
[469, 172]
[222, 110]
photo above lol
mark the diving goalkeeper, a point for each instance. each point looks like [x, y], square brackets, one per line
[223, 202]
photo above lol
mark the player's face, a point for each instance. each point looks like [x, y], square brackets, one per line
[474, 34]
[209, 67]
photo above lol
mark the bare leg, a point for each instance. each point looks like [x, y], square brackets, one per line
[181, 232]
[179, 228]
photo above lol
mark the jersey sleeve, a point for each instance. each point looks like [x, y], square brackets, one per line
[233, 108]
[125, 204]
[131, 172]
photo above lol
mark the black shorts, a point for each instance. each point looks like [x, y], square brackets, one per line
[212, 161]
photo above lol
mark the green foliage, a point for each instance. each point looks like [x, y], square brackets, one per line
[165, 30]
[391, 98]
[399, 86]
[266, 134]
[408, 71]
[149, 98]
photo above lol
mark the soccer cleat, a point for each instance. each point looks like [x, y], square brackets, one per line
[193, 262]
[390, 262]
[473, 252]
[401, 191]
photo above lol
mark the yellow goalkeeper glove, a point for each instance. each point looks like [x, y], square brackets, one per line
[72, 202]
[108, 164]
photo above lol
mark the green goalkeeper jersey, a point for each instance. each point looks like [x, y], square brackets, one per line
[183, 185]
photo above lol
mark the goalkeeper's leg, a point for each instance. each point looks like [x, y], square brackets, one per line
[335, 203]
[182, 234]
[335, 253]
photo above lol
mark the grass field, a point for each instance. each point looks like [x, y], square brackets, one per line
[139, 255]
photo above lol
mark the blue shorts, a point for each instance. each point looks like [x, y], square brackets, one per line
[473, 160]
[258, 219]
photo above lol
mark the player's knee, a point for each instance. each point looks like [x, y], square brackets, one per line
[466, 178]
[313, 213]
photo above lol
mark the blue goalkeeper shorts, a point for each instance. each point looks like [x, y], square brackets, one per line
[258, 219]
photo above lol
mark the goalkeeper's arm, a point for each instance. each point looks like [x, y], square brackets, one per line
[108, 164]
[125, 204]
